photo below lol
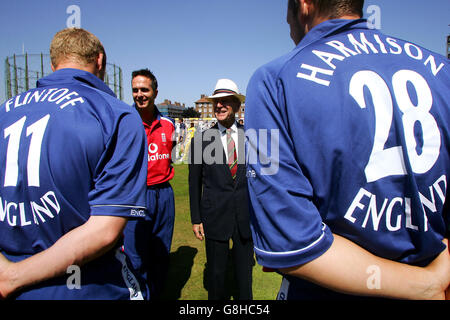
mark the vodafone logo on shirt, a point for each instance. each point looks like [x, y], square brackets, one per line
[152, 148]
[153, 154]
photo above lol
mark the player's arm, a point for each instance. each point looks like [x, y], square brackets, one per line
[196, 184]
[174, 136]
[79, 246]
[195, 179]
[348, 268]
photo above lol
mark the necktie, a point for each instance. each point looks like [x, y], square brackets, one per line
[232, 157]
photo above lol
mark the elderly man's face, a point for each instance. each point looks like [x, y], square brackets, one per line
[225, 108]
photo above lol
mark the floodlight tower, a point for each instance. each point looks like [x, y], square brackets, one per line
[22, 72]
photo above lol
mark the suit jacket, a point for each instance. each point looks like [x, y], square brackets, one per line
[215, 199]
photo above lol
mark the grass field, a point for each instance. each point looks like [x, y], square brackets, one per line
[188, 262]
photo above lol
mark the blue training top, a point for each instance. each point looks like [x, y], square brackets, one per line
[70, 149]
[357, 144]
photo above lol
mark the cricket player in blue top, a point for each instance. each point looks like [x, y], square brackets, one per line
[73, 171]
[349, 160]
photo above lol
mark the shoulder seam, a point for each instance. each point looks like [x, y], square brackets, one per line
[168, 119]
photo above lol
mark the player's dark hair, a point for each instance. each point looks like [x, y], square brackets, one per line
[148, 74]
[333, 9]
[293, 6]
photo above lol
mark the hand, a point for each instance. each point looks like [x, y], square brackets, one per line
[198, 231]
[5, 288]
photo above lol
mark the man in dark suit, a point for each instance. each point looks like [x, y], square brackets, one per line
[218, 194]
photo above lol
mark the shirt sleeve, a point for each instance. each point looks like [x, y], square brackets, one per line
[121, 174]
[286, 225]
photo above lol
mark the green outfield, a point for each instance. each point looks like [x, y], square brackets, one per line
[188, 261]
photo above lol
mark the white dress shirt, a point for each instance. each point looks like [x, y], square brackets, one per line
[234, 135]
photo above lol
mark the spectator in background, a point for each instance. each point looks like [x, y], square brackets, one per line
[182, 132]
[187, 143]
[191, 130]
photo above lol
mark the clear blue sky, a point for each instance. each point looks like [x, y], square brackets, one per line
[189, 44]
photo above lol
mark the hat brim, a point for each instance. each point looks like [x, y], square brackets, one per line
[221, 95]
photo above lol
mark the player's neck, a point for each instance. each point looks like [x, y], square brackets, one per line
[315, 21]
[147, 114]
[91, 67]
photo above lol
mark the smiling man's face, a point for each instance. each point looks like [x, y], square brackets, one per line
[143, 94]
[225, 109]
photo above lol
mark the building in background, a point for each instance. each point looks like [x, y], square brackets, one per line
[22, 72]
[205, 108]
[172, 110]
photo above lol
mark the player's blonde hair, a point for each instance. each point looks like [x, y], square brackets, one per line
[333, 9]
[75, 45]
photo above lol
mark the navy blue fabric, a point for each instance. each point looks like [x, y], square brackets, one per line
[148, 242]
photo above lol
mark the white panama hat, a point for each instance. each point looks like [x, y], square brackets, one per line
[224, 88]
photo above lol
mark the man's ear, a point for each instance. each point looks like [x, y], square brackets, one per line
[306, 7]
[308, 14]
[100, 63]
[237, 106]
